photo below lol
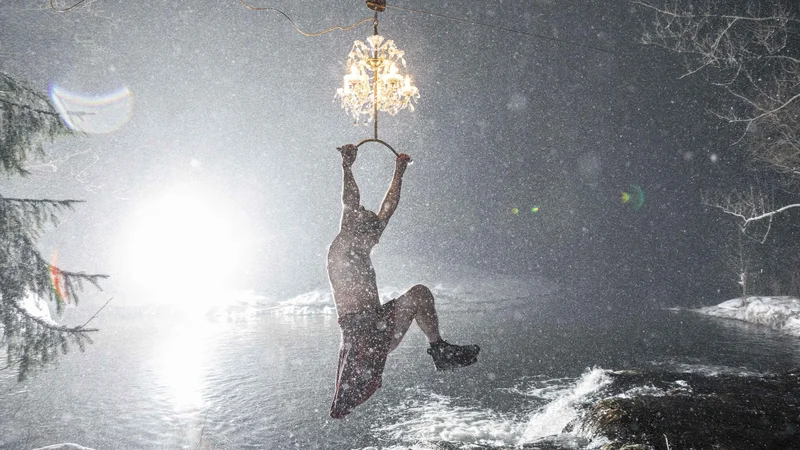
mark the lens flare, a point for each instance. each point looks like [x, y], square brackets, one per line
[94, 114]
[55, 278]
[635, 198]
[516, 211]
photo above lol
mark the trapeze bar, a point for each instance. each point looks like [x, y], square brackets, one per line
[379, 142]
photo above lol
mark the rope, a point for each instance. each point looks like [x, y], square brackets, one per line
[266, 8]
[53, 6]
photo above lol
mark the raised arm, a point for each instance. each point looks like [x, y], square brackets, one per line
[392, 197]
[351, 197]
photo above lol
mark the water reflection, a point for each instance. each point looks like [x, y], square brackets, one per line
[182, 361]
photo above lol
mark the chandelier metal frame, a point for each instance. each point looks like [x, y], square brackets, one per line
[374, 83]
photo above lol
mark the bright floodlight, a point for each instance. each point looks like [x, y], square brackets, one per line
[179, 242]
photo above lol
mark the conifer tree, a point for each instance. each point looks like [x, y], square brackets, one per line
[28, 282]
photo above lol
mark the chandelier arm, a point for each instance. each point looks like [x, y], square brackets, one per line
[379, 142]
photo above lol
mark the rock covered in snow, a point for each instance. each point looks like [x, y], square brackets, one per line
[780, 313]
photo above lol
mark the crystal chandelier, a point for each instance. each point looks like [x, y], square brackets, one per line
[374, 82]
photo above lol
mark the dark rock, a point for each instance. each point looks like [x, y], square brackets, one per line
[662, 410]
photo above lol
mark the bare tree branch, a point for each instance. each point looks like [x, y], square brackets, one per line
[750, 51]
[765, 113]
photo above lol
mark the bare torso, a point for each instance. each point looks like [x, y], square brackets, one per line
[352, 277]
[350, 270]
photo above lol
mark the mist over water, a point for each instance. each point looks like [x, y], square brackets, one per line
[258, 373]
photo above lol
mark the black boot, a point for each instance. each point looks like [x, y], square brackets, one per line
[447, 356]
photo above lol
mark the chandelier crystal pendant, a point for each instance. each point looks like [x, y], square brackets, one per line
[375, 82]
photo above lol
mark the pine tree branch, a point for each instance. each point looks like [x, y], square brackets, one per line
[31, 213]
[30, 108]
[50, 326]
[15, 84]
[90, 277]
[34, 207]
[28, 120]
[35, 201]
[68, 276]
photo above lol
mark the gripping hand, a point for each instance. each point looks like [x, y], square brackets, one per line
[402, 162]
[349, 153]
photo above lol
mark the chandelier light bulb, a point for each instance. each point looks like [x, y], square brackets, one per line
[392, 77]
[374, 82]
[409, 90]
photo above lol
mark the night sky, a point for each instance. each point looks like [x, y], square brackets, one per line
[238, 107]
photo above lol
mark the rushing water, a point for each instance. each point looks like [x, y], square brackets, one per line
[265, 380]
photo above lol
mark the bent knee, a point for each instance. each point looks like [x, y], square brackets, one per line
[421, 291]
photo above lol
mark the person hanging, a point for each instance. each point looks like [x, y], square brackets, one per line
[371, 330]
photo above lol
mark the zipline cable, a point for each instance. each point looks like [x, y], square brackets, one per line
[53, 6]
[411, 10]
[254, 8]
[510, 30]
[267, 8]
[375, 22]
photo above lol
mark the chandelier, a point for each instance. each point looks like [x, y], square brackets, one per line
[375, 82]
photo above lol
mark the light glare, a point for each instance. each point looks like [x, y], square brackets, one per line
[180, 243]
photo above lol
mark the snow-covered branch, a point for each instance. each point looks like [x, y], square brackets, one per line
[748, 207]
[769, 214]
[52, 326]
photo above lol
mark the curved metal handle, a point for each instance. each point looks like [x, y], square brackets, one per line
[380, 142]
[410, 161]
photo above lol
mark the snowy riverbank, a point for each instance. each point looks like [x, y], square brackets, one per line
[779, 313]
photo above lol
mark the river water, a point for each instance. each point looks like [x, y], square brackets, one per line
[263, 378]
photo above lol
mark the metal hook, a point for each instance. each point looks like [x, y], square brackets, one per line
[377, 5]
